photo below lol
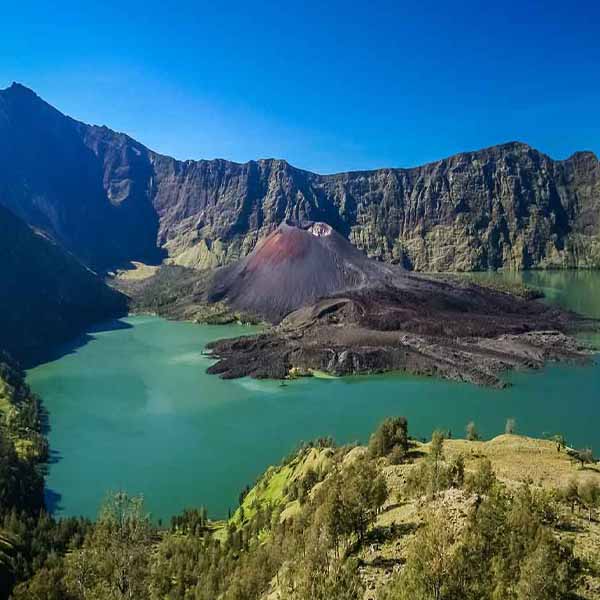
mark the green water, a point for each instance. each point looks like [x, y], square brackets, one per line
[132, 408]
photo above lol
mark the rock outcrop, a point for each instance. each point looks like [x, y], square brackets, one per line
[110, 200]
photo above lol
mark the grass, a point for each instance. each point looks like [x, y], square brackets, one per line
[505, 285]
[518, 458]
[271, 487]
[137, 272]
[515, 459]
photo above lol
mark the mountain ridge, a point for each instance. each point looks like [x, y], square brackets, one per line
[509, 143]
[110, 199]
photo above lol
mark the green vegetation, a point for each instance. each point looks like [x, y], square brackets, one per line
[398, 519]
[504, 285]
[504, 550]
[178, 292]
[390, 439]
[23, 447]
[435, 473]
[29, 539]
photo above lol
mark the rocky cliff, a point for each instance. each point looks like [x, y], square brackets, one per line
[110, 200]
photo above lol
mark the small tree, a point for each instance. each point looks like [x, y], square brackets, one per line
[457, 471]
[511, 426]
[472, 434]
[436, 449]
[583, 457]
[436, 456]
[114, 560]
[589, 493]
[483, 480]
[391, 435]
[560, 442]
[350, 501]
[570, 494]
[545, 572]
[430, 565]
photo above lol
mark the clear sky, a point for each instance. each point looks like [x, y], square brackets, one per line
[329, 86]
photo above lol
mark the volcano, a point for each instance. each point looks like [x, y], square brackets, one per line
[333, 309]
[295, 266]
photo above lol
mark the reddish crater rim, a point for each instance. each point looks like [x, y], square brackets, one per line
[281, 245]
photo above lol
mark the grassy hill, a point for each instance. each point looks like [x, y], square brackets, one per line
[513, 518]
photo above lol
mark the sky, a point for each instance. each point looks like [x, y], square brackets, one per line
[328, 86]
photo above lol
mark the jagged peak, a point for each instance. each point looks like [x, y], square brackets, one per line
[511, 146]
[515, 144]
[583, 155]
[18, 88]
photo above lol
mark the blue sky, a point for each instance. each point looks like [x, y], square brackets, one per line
[328, 86]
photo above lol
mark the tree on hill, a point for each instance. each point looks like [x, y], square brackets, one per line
[436, 457]
[350, 499]
[560, 441]
[430, 563]
[114, 561]
[570, 494]
[545, 573]
[483, 479]
[589, 494]
[365, 491]
[584, 456]
[471, 430]
[390, 437]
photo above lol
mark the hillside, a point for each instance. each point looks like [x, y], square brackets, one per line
[110, 200]
[513, 518]
[46, 295]
[516, 461]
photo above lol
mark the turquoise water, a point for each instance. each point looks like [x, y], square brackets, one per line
[132, 408]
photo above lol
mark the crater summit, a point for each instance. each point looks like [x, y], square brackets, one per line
[295, 266]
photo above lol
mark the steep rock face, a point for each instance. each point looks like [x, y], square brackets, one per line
[508, 206]
[109, 199]
[46, 295]
[84, 186]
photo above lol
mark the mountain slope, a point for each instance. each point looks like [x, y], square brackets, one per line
[110, 200]
[294, 267]
[46, 295]
[53, 175]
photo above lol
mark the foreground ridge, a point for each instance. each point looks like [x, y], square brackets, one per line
[378, 522]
